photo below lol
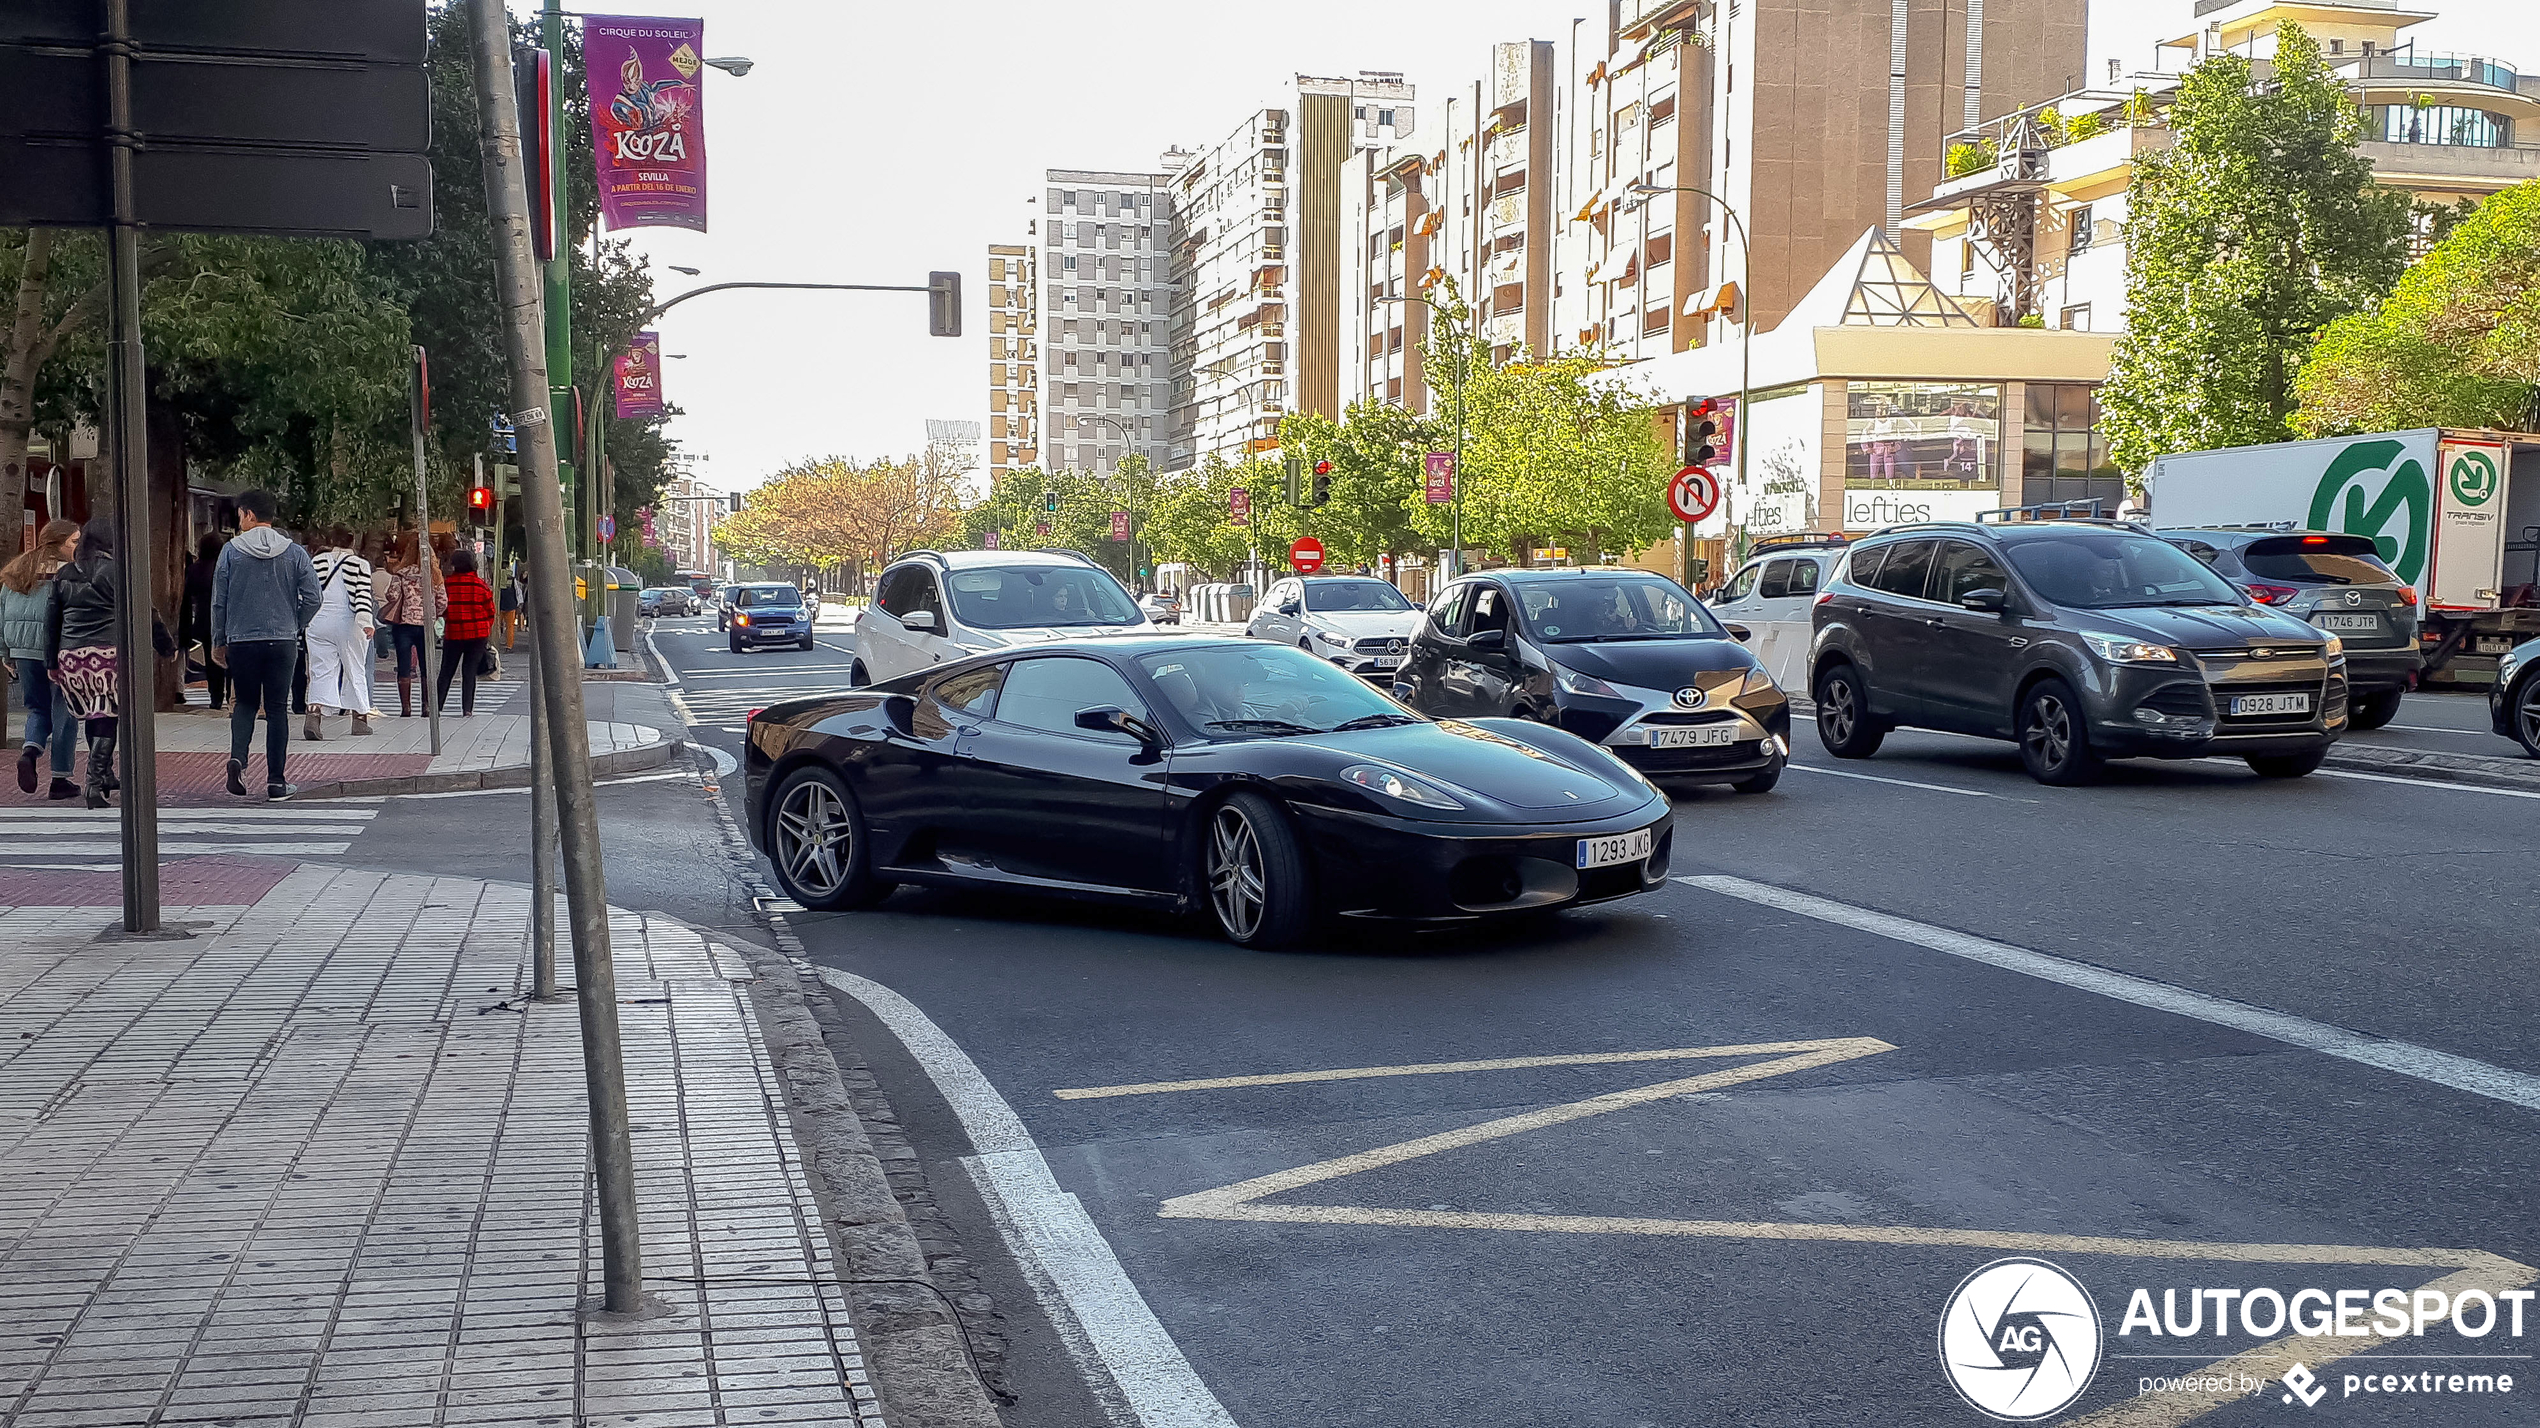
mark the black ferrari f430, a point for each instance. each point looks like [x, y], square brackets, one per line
[1268, 788]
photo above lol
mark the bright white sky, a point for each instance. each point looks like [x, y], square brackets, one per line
[874, 142]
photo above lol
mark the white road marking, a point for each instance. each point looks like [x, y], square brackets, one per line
[2423, 1063]
[723, 763]
[246, 813]
[1438, 1068]
[1899, 782]
[524, 788]
[1105, 1321]
[2439, 729]
[2436, 784]
[193, 849]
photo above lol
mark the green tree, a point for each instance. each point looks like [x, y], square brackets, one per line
[2259, 228]
[2457, 343]
[1189, 519]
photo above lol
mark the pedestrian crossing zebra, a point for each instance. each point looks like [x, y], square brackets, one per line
[90, 839]
[725, 703]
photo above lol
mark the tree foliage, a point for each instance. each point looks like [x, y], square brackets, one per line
[831, 512]
[2457, 343]
[1076, 508]
[2260, 227]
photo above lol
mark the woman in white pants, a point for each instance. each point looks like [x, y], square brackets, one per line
[340, 652]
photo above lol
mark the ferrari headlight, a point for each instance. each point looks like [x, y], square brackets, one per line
[1397, 785]
[1576, 683]
[1756, 681]
[2130, 651]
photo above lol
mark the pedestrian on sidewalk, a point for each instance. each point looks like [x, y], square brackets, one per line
[194, 622]
[408, 623]
[27, 595]
[339, 638]
[509, 606]
[265, 591]
[466, 632]
[87, 603]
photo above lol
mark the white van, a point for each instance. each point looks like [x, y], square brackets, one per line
[1771, 595]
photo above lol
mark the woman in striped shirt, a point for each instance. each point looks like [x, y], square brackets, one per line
[340, 653]
[465, 632]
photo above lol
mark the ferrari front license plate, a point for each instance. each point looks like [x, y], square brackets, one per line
[2271, 704]
[1700, 736]
[1621, 848]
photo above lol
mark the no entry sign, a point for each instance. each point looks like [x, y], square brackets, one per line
[1306, 554]
[1694, 493]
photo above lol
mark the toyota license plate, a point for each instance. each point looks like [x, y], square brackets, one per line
[2271, 704]
[1621, 848]
[2365, 622]
[1700, 736]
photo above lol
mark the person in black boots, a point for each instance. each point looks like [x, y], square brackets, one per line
[86, 598]
[264, 593]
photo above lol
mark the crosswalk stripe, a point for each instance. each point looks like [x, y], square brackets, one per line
[291, 813]
[41, 839]
[184, 849]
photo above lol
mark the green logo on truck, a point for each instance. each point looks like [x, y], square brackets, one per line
[2473, 477]
[2395, 516]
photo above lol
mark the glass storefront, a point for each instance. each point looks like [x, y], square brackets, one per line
[2063, 454]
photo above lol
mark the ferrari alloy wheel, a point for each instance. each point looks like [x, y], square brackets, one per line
[816, 841]
[1255, 873]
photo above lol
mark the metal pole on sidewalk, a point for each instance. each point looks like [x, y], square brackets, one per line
[423, 552]
[542, 826]
[595, 981]
[136, 657]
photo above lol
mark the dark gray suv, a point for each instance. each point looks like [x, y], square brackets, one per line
[2083, 640]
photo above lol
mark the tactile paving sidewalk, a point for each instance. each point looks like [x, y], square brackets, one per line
[305, 1169]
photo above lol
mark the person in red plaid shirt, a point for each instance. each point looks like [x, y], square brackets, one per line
[465, 631]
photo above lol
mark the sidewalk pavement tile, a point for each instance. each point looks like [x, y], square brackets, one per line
[290, 1171]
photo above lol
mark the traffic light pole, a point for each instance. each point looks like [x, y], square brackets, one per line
[556, 649]
[422, 417]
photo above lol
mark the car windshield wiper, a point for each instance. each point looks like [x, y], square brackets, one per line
[1265, 726]
[1384, 720]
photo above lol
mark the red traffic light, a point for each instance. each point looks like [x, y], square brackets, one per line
[1322, 468]
[480, 499]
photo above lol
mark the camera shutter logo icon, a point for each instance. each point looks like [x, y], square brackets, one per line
[2020, 1340]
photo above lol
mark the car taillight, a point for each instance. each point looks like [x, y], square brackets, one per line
[2314, 540]
[753, 716]
[2408, 596]
[2271, 594]
[1822, 597]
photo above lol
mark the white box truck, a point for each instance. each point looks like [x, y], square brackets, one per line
[2456, 513]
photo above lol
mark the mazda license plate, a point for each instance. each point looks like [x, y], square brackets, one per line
[1700, 736]
[2271, 704]
[1621, 848]
[2364, 622]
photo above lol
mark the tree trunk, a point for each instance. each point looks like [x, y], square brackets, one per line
[168, 534]
[19, 361]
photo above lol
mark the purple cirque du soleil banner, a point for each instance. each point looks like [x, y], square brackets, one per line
[638, 377]
[648, 120]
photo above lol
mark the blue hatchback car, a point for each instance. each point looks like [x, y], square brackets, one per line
[769, 614]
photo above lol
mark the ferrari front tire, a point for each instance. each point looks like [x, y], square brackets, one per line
[816, 840]
[1253, 869]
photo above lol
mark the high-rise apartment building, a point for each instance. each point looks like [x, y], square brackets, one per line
[685, 526]
[1107, 310]
[1264, 266]
[1014, 358]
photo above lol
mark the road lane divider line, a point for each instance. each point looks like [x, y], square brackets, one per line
[2422, 1063]
[1441, 1068]
[2426, 783]
[1899, 782]
[1106, 1323]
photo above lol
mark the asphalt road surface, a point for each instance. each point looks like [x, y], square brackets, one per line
[2187, 1029]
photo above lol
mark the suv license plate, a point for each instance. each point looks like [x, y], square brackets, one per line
[1621, 848]
[1701, 736]
[2271, 704]
[2347, 622]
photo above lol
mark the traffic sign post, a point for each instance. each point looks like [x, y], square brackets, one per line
[1306, 555]
[1694, 494]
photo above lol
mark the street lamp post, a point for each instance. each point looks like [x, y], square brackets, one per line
[1127, 438]
[1745, 323]
[1472, 339]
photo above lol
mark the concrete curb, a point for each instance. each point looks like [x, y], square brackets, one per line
[616, 761]
[920, 1353]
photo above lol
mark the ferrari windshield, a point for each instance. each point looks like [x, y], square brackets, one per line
[1030, 597]
[1613, 607]
[1353, 595]
[1267, 689]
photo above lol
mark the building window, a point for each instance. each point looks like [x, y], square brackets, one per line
[2064, 455]
[2079, 230]
[2076, 318]
[1922, 435]
[2440, 124]
[1966, 259]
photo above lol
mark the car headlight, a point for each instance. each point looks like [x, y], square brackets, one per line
[1588, 684]
[2335, 649]
[2130, 651]
[1396, 785]
[1335, 641]
[1756, 681]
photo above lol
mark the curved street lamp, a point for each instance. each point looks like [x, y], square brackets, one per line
[1127, 438]
[1455, 565]
[1746, 318]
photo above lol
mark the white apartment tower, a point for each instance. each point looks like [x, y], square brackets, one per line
[1014, 357]
[1107, 308]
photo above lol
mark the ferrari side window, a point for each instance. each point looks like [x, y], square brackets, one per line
[1047, 694]
[972, 692]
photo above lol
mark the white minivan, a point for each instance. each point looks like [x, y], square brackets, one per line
[1771, 595]
[934, 606]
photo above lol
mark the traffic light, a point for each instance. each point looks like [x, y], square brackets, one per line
[735, 500]
[480, 505]
[943, 304]
[1322, 483]
[1294, 468]
[534, 74]
[1049, 501]
[1702, 423]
